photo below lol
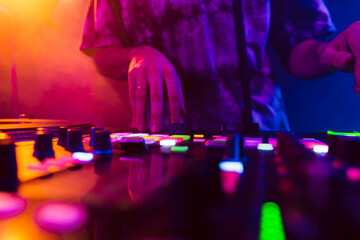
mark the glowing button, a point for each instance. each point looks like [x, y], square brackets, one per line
[179, 148]
[83, 157]
[230, 166]
[60, 217]
[265, 147]
[168, 142]
[321, 149]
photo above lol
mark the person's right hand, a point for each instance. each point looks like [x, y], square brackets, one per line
[148, 71]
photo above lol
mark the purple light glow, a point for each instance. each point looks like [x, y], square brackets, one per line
[60, 217]
[11, 205]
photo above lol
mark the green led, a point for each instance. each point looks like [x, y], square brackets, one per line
[184, 137]
[179, 148]
[271, 226]
[353, 134]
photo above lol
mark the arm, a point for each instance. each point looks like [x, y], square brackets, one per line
[147, 71]
[312, 58]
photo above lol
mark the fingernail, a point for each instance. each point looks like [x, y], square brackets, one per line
[155, 127]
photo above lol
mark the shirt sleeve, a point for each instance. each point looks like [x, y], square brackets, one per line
[293, 21]
[102, 28]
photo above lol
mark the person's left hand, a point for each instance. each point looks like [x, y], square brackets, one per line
[343, 52]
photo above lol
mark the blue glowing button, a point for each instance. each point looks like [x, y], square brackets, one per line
[231, 166]
[265, 147]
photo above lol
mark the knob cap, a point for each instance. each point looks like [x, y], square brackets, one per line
[102, 143]
[8, 166]
[93, 130]
[74, 140]
[62, 136]
[43, 145]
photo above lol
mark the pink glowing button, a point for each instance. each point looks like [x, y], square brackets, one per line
[11, 205]
[60, 217]
[353, 174]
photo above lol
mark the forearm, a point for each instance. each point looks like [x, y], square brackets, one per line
[113, 62]
[307, 60]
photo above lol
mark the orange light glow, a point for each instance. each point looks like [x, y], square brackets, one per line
[39, 9]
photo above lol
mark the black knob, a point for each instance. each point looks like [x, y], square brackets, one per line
[43, 145]
[93, 130]
[102, 143]
[8, 166]
[62, 136]
[74, 140]
[332, 143]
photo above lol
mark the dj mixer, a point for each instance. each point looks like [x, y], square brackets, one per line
[73, 181]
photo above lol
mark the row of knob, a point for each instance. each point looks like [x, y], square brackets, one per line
[71, 139]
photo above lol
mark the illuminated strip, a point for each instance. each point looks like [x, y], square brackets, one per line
[231, 166]
[271, 226]
[321, 149]
[167, 142]
[184, 137]
[353, 134]
[83, 156]
[265, 147]
[198, 136]
[179, 148]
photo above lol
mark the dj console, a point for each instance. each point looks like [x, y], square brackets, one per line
[69, 180]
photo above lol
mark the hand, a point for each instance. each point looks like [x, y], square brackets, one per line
[343, 52]
[149, 69]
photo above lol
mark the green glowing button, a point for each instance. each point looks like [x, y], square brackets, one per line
[271, 226]
[179, 148]
[184, 137]
[353, 134]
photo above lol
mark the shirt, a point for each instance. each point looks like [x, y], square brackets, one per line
[198, 37]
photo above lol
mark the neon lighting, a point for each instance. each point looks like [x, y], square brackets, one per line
[199, 140]
[129, 139]
[321, 149]
[168, 142]
[179, 148]
[198, 136]
[353, 134]
[59, 217]
[83, 156]
[252, 142]
[231, 166]
[265, 147]
[271, 226]
[184, 137]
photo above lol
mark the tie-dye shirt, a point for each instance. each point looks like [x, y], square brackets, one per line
[199, 38]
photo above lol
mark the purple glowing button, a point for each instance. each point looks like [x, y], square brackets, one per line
[60, 217]
[11, 205]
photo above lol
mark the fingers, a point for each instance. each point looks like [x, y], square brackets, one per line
[132, 97]
[156, 98]
[141, 92]
[175, 96]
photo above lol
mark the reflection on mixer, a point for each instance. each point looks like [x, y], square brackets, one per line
[195, 186]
